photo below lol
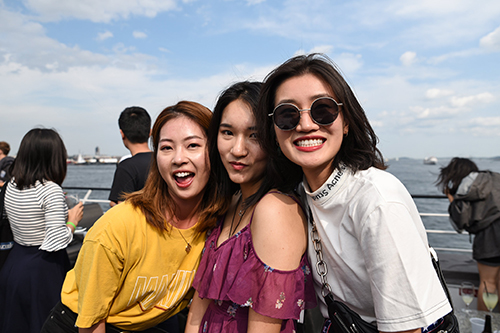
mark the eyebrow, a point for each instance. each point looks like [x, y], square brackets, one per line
[184, 139]
[251, 128]
[314, 97]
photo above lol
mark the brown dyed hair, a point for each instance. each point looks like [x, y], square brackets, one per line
[154, 199]
[4, 147]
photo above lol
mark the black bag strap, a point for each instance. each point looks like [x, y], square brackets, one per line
[3, 190]
[439, 272]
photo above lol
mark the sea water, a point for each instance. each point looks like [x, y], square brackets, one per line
[419, 179]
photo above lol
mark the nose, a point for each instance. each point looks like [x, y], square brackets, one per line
[179, 157]
[239, 149]
[306, 124]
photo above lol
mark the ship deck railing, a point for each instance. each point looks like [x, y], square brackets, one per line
[86, 199]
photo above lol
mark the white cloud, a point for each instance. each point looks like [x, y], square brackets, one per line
[98, 10]
[433, 112]
[139, 34]
[436, 60]
[487, 122]
[438, 93]
[466, 101]
[491, 41]
[326, 49]
[443, 23]
[104, 35]
[408, 58]
[349, 62]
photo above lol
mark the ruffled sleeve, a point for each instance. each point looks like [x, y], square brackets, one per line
[233, 272]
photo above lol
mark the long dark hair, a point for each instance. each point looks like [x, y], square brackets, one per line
[359, 148]
[248, 92]
[42, 156]
[154, 199]
[451, 175]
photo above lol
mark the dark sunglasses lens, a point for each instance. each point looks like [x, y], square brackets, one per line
[324, 111]
[286, 117]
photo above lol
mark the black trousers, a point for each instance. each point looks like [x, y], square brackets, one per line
[62, 320]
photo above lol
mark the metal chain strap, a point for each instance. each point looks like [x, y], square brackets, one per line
[321, 267]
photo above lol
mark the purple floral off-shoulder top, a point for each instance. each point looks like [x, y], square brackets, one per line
[236, 279]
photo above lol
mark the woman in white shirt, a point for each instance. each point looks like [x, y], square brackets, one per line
[373, 240]
[42, 225]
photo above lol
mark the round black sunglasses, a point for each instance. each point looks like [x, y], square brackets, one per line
[323, 111]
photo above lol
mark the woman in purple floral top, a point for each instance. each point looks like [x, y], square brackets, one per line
[253, 275]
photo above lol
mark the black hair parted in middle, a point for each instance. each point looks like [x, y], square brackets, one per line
[249, 93]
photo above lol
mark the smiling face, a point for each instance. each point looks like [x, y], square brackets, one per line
[239, 150]
[183, 159]
[309, 145]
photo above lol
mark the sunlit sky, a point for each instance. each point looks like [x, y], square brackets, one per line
[426, 72]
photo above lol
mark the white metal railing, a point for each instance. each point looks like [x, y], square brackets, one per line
[86, 199]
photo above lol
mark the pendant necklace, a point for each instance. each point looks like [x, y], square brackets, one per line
[188, 245]
[241, 213]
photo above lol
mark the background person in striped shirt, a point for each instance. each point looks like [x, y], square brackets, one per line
[42, 225]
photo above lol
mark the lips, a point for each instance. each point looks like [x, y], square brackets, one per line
[183, 178]
[237, 165]
[309, 144]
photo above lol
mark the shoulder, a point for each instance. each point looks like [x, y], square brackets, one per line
[122, 219]
[279, 231]
[136, 160]
[48, 189]
[378, 184]
[139, 158]
[6, 161]
[278, 208]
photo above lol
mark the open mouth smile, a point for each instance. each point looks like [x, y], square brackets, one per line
[307, 143]
[183, 178]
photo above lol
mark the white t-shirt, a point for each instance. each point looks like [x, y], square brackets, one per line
[376, 250]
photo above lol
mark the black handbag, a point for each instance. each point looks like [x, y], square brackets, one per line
[345, 320]
[6, 237]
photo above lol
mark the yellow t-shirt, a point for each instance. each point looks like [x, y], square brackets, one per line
[129, 273]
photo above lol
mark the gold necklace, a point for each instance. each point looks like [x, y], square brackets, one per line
[188, 245]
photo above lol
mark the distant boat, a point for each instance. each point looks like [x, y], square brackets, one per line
[108, 160]
[430, 160]
[80, 160]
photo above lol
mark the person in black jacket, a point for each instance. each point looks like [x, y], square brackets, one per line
[5, 162]
[475, 206]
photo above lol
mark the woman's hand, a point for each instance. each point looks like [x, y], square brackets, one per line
[75, 214]
[100, 327]
[447, 193]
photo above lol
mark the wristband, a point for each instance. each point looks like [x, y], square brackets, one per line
[71, 223]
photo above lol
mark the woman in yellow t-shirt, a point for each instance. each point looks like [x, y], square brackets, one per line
[137, 263]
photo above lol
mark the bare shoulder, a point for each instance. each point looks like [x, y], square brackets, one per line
[279, 231]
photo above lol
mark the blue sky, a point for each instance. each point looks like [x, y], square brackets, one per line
[427, 72]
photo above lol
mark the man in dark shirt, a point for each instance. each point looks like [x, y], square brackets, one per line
[5, 162]
[131, 173]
